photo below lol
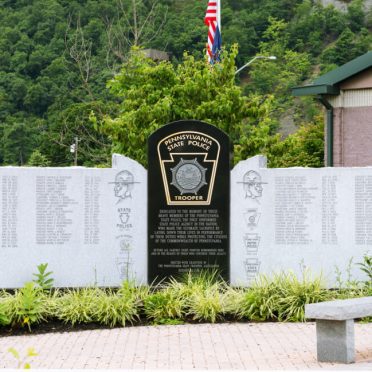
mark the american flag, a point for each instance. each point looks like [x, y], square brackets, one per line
[214, 30]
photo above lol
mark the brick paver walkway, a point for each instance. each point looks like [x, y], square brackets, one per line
[205, 346]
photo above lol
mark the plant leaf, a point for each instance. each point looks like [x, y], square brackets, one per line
[14, 352]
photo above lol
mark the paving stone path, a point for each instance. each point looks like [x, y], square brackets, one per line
[234, 346]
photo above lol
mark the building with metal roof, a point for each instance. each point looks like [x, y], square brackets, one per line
[346, 94]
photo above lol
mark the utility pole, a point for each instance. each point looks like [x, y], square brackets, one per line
[74, 150]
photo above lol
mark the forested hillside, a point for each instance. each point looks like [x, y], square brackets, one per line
[56, 57]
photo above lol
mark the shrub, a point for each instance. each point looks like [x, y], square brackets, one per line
[202, 294]
[76, 306]
[207, 303]
[295, 294]
[118, 308]
[163, 305]
[282, 297]
[4, 308]
[112, 309]
[366, 267]
[106, 307]
[43, 277]
[260, 301]
[28, 306]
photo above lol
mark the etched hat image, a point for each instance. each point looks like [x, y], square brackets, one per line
[252, 182]
[124, 182]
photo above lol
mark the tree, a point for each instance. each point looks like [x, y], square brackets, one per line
[303, 148]
[347, 47]
[355, 15]
[18, 140]
[74, 121]
[37, 159]
[154, 94]
[290, 67]
[56, 57]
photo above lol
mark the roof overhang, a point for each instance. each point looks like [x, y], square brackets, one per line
[311, 90]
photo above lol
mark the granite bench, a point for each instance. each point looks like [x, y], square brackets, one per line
[335, 327]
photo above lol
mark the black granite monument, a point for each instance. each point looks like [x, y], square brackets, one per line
[188, 200]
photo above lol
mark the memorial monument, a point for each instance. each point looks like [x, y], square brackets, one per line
[188, 199]
[103, 226]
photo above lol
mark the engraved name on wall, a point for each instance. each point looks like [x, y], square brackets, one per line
[298, 219]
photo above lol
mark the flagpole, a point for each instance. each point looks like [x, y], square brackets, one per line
[219, 15]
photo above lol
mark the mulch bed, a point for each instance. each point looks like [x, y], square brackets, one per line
[50, 327]
[56, 326]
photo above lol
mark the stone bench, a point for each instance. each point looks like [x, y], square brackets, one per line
[335, 327]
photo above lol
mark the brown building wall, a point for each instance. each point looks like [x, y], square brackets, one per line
[352, 136]
[360, 81]
[337, 137]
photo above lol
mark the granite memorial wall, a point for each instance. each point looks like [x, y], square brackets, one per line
[90, 225]
[87, 224]
[298, 218]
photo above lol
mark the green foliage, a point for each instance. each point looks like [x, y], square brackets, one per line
[207, 304]
[43, 278]
[114, 309]
[355, 15]
[366, 267]
[17, 141]
[76, 306]
[28, 306]
[347, 286]
[304, 147]
[282, 296]
[57, 56]
[347, 47]
[288, 70]
[121, 307]
[37, 159]
[295, 294]
[260, 301]
[106, 307]
[202, 295]
[94, 148]
[163, 305]
[23, 362]
[154, 94]
[5, 306]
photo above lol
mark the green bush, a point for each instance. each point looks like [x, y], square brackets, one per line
[282, 296]
[29, 305]
[43, 278]
[202, 294]
[76, 306]
[4, 308]
[118, 308]
[206, 304]
[199, 297]
[260, 301]
[295, 294]
[164, 304]
[112, 309]
[107, 307]
[366, 267]
[195, 295]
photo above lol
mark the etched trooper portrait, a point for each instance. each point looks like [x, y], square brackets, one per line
[123, 185]
[252, 185]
